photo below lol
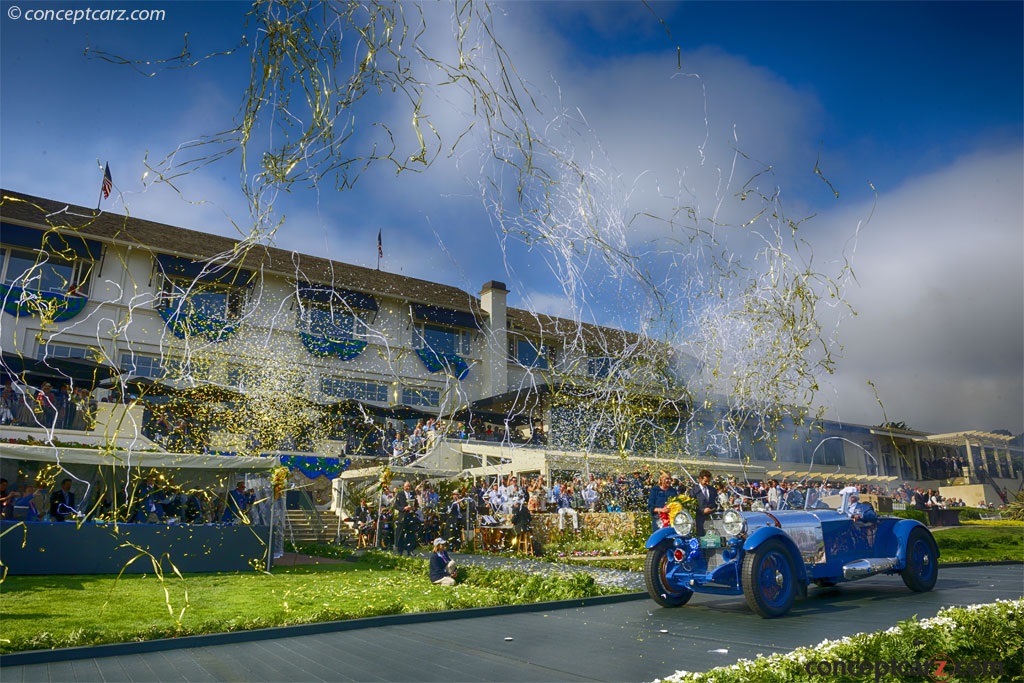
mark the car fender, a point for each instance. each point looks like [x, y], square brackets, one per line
[765, 533]
[659, 536]
[901, 530]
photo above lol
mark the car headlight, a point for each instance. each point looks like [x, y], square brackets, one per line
[682, 523]
[733, 523]
[758, 506]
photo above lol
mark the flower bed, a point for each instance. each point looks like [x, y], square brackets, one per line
[976, 643]
[601, 524]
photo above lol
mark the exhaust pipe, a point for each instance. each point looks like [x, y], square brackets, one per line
[867, 567]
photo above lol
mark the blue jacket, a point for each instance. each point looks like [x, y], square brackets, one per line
[864, 510]
[658, 497]
[439, 565]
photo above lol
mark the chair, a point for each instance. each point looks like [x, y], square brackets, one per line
[524, 542]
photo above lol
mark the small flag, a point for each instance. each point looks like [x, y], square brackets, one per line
[380, 246]
[108, 182]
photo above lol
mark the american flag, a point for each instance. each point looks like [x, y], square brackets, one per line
[380, 246]
[108, 182]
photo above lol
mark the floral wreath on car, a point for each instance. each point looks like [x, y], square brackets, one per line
[677, 504]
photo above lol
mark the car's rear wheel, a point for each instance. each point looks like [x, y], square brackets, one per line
[769, 579]
[922, 570]
[658, 585]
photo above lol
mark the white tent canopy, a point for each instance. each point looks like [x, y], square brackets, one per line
[148, 459]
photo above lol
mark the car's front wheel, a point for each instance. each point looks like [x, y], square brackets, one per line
[658, 585]
[769, 579]
[922, 570]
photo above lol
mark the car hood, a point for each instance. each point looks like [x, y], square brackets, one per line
[790, 519]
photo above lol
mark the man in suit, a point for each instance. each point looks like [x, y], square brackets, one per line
[861, 512]
[454, 521]
[521, 519]
[62, 502]
[707, 499]
[920, 499]
[405, 517]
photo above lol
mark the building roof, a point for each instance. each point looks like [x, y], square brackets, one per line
[167, 239]
[159, 238]
[972, 436]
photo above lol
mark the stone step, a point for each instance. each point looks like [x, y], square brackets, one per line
[306, 529]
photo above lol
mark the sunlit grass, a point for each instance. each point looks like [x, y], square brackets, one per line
[61, 611]
[979, 543]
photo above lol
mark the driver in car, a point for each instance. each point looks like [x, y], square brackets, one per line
[861, 512]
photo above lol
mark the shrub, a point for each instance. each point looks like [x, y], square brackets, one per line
[919, 515]
[1015, 510]
[975, 637]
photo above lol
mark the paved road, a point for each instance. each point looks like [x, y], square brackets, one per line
[626, 641]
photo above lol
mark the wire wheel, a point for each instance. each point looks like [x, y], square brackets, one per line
[922, 570]
[769, 579]
[656, 578]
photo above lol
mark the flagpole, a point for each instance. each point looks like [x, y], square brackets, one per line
[105, 186]
[380, 249]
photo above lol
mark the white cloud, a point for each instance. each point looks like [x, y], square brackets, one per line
[940, 324]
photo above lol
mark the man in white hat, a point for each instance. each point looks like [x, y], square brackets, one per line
[442, 567]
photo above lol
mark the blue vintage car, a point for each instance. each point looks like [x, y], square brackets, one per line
[770, 557]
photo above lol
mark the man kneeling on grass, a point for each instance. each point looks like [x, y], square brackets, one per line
[442, 567]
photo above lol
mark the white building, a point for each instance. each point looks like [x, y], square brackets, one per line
[84, 292]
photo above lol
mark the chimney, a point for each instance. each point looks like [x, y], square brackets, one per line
[493, 299]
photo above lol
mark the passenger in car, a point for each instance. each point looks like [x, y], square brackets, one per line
[861, 512]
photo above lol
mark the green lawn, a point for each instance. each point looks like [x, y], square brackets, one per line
[40, 612]
[979, 542]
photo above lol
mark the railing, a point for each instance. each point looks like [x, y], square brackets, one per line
[306, 505]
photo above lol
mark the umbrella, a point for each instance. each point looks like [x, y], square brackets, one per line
[137, 383]
[77, 370]
[16, 364]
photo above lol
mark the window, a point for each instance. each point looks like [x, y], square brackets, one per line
[142, 366]
[599, 367]
[354, 389]
[442, 339]
[208, 300]
[45, 272]
[329, 322]
[531, 355]
[421, 397]
[47, 351]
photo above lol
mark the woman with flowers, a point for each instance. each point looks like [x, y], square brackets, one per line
[657, 500]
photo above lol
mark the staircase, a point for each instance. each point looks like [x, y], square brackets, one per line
[303, 527]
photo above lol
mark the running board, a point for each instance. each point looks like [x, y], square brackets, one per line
[868, 567]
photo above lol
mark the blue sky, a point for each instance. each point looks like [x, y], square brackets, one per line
[913, 110]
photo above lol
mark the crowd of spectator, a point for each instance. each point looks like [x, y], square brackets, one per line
[153, 500]
[66, 408]
[511, 501]
[404, 518]
[947, 467]
[920, 499]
